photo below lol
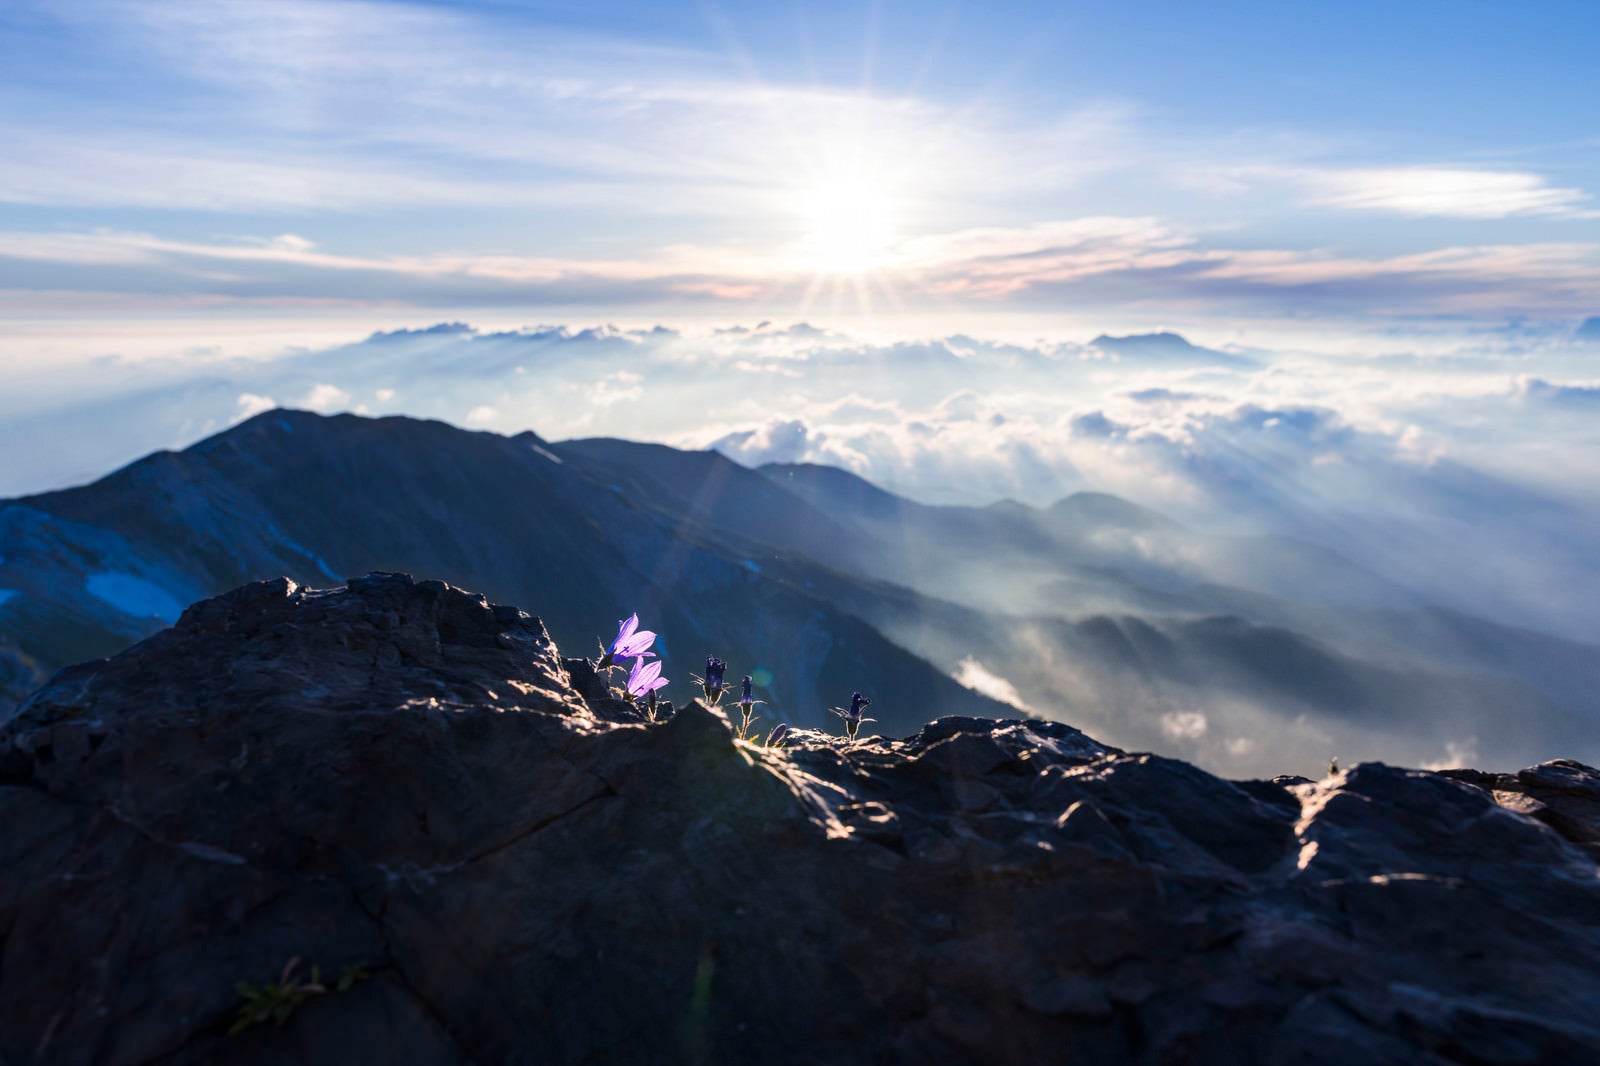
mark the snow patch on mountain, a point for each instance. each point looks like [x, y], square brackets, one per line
[133, 595]
[322, 564]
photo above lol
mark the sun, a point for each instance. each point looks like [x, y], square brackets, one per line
[848, 220]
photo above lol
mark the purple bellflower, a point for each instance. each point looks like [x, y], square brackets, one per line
[747, 704]
[852, 717]
[711, 684]
[778, 736]
[630, 643]
[643, 680]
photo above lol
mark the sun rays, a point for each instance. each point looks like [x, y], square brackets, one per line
[849, 220]
[848, 216]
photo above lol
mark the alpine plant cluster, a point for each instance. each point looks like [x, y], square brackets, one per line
[645, 680]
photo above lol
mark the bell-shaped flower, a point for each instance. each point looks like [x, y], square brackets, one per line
[779, 735]
[747, 704]
[852, 717]
[644, 678]
[711, 684]
[857, 702]
[631, 642]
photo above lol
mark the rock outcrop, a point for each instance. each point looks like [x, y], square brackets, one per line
[398, 783]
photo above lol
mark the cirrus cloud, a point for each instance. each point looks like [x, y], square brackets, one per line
[1444, 191]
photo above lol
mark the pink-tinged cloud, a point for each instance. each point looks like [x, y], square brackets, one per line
[1097, 262]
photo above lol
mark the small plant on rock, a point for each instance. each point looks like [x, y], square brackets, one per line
[711, 684]
[351, 975]
[747, 706]
[277, 1001]
[852, 717]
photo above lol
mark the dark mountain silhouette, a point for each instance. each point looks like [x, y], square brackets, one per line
[318, 498]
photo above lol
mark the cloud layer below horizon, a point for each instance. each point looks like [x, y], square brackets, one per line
[1468, 470]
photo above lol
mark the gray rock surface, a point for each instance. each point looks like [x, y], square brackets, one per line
[401, 776]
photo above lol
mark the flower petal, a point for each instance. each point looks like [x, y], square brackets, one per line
[641, 679]
[635, 644]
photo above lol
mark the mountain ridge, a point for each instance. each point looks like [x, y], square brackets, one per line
[1113, 616]
[313, 496]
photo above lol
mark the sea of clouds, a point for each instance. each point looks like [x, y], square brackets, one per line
[1465, 467]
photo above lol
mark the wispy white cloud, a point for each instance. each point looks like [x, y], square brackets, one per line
[1579, 394]
[350, 105]
[979, 678]
[1457, 754]
[324, 398]
[1096, 262]
[997, 262]
[617, 173]
[1421, 191]
[251, 405]
[1184, 725]
[1444, 191]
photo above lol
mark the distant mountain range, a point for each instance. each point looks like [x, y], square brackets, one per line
[1171, 348]
[1251, 655]
[89, 570]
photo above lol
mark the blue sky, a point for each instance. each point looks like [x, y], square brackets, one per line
[1355, 161]
[1380, 223]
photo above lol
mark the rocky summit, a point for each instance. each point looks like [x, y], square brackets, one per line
[389, 823]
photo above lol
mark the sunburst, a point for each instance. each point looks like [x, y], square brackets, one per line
[848, 217]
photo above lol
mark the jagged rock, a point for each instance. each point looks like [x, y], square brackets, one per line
[1563, 794]
[401, 776]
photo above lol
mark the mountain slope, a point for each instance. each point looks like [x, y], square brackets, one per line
[1241, 652]
[1093, 550]
[316, 498]
[1093, 611]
